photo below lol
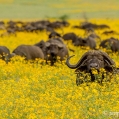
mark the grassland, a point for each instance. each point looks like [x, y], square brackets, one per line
[35, 91]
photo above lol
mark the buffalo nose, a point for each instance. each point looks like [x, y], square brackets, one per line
[94, 65]
[52, 53]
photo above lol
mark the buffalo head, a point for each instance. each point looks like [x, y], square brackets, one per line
[93, 59]
[54, 49]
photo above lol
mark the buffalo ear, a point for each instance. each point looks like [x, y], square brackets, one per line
[40, 44]
[107, 59]
[108, 62]
[60, 46]
[47, 44]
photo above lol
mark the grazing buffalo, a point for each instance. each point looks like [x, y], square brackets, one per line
[55, 48]
[80, 42]
[110, 43]
[58, 24]
[5, 53]
[110, 32]
[93, 59]
[70, 36]
[88, 25]
[30, 52]
[89, 41]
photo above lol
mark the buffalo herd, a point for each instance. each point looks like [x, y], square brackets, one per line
[55, 48]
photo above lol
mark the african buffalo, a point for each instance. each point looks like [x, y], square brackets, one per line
[93, 59]
[110, 32]
[80, 42]
[89, 25]
[30, 52]
[89, 41]
[111, 43]
[58, 24]
[70, 36]
[5, 53]
[55, 48]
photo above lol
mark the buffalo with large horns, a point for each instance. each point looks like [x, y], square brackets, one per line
[93, 59]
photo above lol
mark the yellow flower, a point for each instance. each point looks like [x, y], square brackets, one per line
[32, 116]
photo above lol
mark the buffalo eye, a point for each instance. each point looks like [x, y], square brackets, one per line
[101, 58]
[48, 48]
[89, 57]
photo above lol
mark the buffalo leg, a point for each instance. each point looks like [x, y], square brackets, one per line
[92, 77]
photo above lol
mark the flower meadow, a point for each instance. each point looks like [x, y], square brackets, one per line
[40, 91]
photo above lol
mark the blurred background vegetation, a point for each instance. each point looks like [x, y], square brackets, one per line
[73, 9]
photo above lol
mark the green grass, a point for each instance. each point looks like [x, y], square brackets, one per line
[35, 9]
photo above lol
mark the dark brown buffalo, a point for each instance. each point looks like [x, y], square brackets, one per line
[89, 41]
[58, 24]
[111, 43]
[77, 41]
[80, 42]
[88, 25]
[12, 27]
[30, 52]
[70, 36]
[42, 45]
[93, 59]
[110, 32]
[5, 53]
[55, 48]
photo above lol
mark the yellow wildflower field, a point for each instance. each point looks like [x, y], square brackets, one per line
[40, 91]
